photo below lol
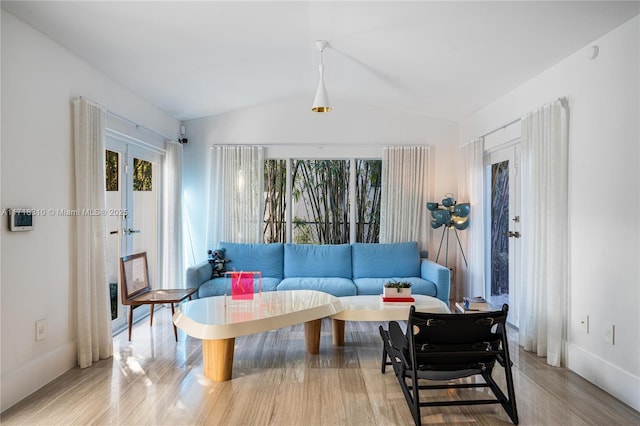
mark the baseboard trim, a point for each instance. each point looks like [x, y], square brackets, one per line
[619, 383]
[22, 382]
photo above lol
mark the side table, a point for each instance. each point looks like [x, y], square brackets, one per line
[460, 309]
[155, 297]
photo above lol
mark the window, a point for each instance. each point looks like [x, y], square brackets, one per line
[275, 182]
[142, 175]
[112, 161]
[322, 201]
[368, 187]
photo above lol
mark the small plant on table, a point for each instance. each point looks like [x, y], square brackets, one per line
[397, 289]
[397, 285]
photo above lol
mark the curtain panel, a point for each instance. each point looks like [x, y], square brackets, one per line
[94, 336]
[545, 232]
[236, 203]
[471, 277]
[173, 249]
[403, 214]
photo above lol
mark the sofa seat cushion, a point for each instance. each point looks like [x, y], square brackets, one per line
[265, 258]
[375, 285]
[312, 260]
[386, 260]
[222, 286]
[335, 286]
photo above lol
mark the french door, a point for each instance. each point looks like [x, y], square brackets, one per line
[503, 228]
[133, 190]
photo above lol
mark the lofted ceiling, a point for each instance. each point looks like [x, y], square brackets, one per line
[440, 59]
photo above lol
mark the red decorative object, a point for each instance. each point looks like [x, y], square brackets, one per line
[244, 285]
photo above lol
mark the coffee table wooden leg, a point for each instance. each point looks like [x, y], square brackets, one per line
[312, 336]
[217, 359]
[337, 332]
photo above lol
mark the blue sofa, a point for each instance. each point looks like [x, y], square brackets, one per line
[340, 270]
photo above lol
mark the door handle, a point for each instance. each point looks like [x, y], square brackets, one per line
[117, 231]
[512, 234]
[132, 231]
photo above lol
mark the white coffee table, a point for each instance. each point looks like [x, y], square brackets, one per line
[371, 308]
[219, 320]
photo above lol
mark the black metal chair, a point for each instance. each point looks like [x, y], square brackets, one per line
[444, 347]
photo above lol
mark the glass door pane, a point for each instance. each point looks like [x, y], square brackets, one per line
[499, 254]
[502, 217]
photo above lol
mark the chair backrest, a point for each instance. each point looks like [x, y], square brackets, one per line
[134, 276]
[455, 341]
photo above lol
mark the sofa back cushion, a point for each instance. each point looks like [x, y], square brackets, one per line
[265, 258]
[311, 260]
[386, 260]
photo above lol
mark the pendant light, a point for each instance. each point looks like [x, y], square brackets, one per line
[321, 101]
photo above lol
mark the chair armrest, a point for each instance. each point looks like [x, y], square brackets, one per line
[198, 274]
[439, 275]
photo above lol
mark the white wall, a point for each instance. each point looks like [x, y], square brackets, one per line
[291, 129]
[604, 200]
[39, 80]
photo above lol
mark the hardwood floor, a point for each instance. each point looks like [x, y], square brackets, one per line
[154, 380]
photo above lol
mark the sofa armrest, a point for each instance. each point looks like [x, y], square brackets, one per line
[198, 274]
[439, 275]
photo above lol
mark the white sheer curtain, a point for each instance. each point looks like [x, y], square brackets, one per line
[173, 250]
[545, 232]
[471, 189]
[403, 206]
[92, 294]
[237, 195]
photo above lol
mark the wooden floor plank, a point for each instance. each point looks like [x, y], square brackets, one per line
[157, 381]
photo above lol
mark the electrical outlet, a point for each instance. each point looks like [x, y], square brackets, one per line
[610, 333]
[584, 323]
[41, 330]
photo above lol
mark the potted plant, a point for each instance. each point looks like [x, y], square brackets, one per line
[397, 289]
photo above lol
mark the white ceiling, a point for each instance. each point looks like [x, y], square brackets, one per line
[440, 59]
